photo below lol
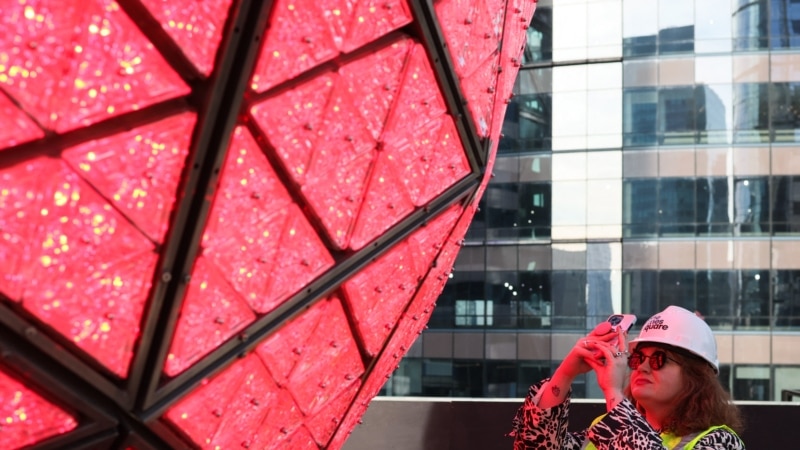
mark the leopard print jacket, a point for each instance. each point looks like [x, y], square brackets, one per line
[623, 427]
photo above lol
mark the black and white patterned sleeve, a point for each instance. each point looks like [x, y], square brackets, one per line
[537, 428]
[624, 427]
[720, 438]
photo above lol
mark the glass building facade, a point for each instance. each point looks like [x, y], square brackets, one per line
[651, 156]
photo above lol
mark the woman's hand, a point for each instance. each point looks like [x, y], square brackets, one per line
[577, 362]
[611, 369]
[588, 349]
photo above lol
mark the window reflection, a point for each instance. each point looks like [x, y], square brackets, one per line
[713, 26]
[710, 26]
[713, 206]
[518, 210]
[728, 299]
[495, 299]
[735, 299]
[714, 113]
[752, 298]
[716, 296]
[569, 287]
[786, 298]
[784, 24]
[713, 217]
[750, 25]
[676, 115]
[639, 27]
[528, 124]
[711, 114]
[639, 110]
[676, 123]
[751, 211]
[750, 113]
[539, 46]
[676, 206]
[640, 208]
[676, 26]
[785, 111]
[786, 205]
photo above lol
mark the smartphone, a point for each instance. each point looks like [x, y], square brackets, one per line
[622, 322]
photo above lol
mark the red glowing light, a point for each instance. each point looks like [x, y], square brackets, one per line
[242, 239]
[195, 26]
[27, 418]
[75, 64]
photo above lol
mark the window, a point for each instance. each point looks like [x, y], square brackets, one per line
[640, 207]
[750, 25]
[784, 24]
[474, 313]
[528, 123]
[786, 205]
[785, 111]
[640, 106]
[539, 47]
[676, 203]
[712, 206]
[518, 211]
[750, 113]
[751, 206]
[677, 118]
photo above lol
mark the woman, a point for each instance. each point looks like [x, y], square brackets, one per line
[673, 399]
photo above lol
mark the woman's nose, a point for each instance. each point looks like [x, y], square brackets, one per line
[644, 367]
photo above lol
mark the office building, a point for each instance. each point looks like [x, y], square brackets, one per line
[651, 156]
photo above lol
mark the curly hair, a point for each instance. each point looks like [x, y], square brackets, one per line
[703, 402]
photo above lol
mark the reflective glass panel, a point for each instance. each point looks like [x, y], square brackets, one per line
[676, 203]
[539, 47]
[675, 26]
[639, 107]
[712, 207]
[528, 123]
[786, 298]
[501, 379]
[752, 307]
[503, 291]
[569, 287]
[534, 300]
[518, 210]
[784, 24]
[713, 26]
[640, 207]
[716, 296]
[639, 27]
[786, 205]
[751, 206]
[714, 113]
[750, 25]
[676, 119]
[640, 292]
[599, 303]
[785, 111]
[463, 288]
[677, 287]
[751, 112]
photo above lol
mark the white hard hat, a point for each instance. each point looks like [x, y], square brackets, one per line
[680, 328]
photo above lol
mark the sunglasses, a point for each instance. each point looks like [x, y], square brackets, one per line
[657, 359]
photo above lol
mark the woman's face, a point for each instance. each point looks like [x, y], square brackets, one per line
[656, 389]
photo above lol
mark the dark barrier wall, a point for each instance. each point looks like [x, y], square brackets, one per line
[449, 424]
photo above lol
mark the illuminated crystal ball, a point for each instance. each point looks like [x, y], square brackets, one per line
[223, 223]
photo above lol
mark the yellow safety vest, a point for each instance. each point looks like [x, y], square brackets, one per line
[670, 440]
